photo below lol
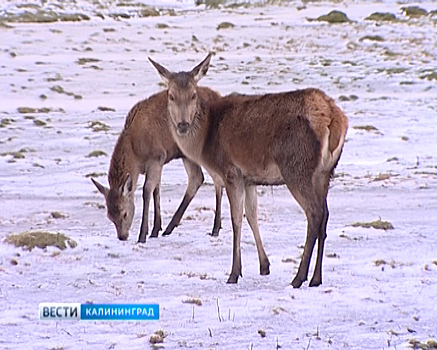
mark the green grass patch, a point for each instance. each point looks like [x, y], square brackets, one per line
[333, 17]
[96, 153]
[225, 25]
[414, 11]
[365, 128]
[83, 61]
[195, 301]
[372, 38]
[381, 16]
[377, 224]
[41, 239]
[98, 126]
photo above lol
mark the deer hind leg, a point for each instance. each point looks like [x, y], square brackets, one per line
[322, 194]
[251, 207]
[152, 181]
[235, 191]
[315, 214]
[195, 180]
[311, 196]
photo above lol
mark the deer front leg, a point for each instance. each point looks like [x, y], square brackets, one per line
[218, 209]
[145, 218]
[235, 191]
[195, 180]
[157, 211]
[251, 207]
[152, 181]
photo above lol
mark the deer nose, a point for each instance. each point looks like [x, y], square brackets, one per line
[183, 127]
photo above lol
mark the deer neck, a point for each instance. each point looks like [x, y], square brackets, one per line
[192, 144]
[123, 162]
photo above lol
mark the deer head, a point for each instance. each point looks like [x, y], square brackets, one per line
[182, 97]
[120, 205]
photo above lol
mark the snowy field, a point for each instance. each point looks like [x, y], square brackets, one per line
[380, 287]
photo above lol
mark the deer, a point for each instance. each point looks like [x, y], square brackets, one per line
[294, 138]
[144, 146]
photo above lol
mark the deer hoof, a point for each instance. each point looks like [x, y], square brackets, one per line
[232, 279]
[167, 233]
[213, 234]
[297, 282]
[315, 282]
[154, 234]
[264, 270]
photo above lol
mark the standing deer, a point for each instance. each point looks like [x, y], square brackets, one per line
[293, 138]
[144, 146]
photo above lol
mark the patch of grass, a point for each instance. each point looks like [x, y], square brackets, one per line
[333, 17]
[98, 126]
[429, 76]
[96, 153]
[430, 344]
[39, 122]
[162, 26]
[57, 215]
[41, 239]
[210, 4]
[43, 16]
[60, 90]
[148, 12]
[5, 122]
[83, 61]
[114, 255]
[289, 260]
[344, 98]
[95, 175]
[106, 109]
[365, 127]
[157, 337]
[25, 110]
[414, 11]
[381, 16]
[372, 38]
[262, 333]
[15, 155]
[225, 25]
[195, 301]
[377, 224]
[383, 177]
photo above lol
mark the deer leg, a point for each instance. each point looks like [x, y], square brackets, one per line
[195, 180]
[317, 276]
[235, 191]
[153, 178]
[157, 211]
[218, 210]
[314, 218]
[145, 218]
[251, 206]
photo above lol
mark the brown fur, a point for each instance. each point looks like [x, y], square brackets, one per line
[144, 146]
[243, 141]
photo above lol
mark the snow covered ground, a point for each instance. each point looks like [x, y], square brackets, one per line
[383, 75]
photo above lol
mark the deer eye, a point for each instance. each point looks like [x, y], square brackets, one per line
[171, 97]
[193, 97]
[125, 215]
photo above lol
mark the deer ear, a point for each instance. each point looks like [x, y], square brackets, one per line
[102, 189]
[163, 72]
[200, 70]
[126, 188]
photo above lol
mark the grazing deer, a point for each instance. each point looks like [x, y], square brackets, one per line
[293, 138]
[144, 146]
